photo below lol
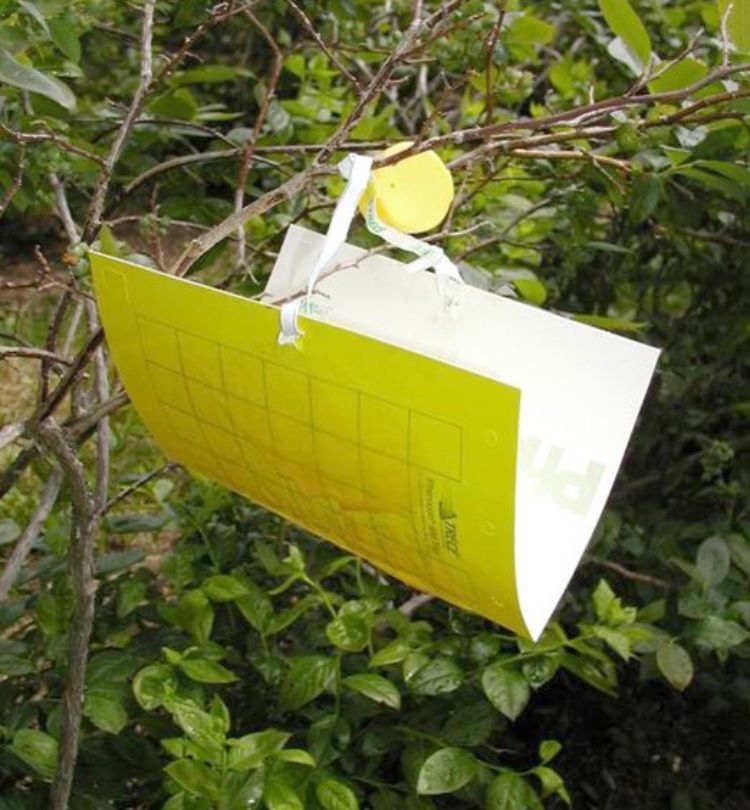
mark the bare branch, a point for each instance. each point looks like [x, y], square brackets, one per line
[81, 568]
[31, 532]
[96, 206]
[334, 59]
[15, 184]
[136, 485]
[249, 151]
[38, 354]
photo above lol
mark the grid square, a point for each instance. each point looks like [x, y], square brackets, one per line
[385, 427]
[435, 445]
[250, 421]
[243, 375]
[292, 440]
[209, 404]
[386, 479]
[160, 344]
[239, 476]
[392, 528]
[335, 409]
[288, 392]
[222, 443]
[170, 388]
[255, 457]
[337, 459]
[184, 425]
[200, 359]
[197, 458]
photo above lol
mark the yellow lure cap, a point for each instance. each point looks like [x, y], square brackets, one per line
[413, 195]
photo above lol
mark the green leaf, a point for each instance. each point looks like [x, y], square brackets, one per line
[394, 653]
[716, 633]
[203, 728]
[24, 77]
[282, 620]
[256, 607]
[740, 551]
[551, 780]
[713, 561]
[194, 777]
[375, 687]
[335, 795]
[618, 641]
[105, 712]
[627, 25]
[37, 749]
[224, 588]
[548, 750]
[526, 33]
[437, 677]
[279, 792]
[15, 665]
[644, 199]
[470, 725]
[64, 34]
[115, 561]
[205, 671]
[298, 756]
[195, 614]
[739, 174]
[349, 633]
[251, 750]
[446, 771]
[684, 73]
[675, 665]
[738, 23]
[713, 181]
[506, 689]
[9, 531]
[510, 791]
[152, 684]
[210, 74]
[306, 679]
[130, 594]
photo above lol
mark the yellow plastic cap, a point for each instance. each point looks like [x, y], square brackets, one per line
[413, 195]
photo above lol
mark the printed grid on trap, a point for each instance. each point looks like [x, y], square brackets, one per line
[267, 430]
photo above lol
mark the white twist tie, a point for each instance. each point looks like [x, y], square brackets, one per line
[356, 170]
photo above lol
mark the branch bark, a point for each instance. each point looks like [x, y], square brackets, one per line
[96, 206]
[81, 568]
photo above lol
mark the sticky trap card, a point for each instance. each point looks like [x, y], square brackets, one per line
[461, 441]
[480, 484]
[399, 458]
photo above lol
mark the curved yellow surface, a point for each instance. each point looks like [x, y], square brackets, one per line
[413, 195]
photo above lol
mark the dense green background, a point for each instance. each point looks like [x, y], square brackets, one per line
[236, 661]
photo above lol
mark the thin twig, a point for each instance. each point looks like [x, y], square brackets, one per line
[320, 42]
[96, 206]
[136, 485]
[31, 532]
[32, 352]
[249, 151]
[634, 576]
[15, 184]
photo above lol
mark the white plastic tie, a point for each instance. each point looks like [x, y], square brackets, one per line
[356, 170]
[429, 256]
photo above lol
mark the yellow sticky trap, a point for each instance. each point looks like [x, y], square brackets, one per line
[405, 460]
[413, 195]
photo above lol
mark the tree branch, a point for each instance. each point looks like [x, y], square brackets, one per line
[96, 206]
[81, 568]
